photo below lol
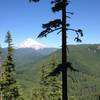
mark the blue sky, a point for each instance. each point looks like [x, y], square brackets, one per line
[24, 20]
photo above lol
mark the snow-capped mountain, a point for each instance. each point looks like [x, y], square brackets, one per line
[30, 43]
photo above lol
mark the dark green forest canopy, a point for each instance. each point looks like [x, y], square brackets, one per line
[84, 57]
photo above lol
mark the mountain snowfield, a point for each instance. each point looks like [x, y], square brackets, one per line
[31, 43]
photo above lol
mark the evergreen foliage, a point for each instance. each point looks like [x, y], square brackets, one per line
[50, 87]
[8, 82]
[82, 85]
[55, 82]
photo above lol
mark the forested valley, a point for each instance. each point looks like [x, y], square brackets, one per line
[35, 71]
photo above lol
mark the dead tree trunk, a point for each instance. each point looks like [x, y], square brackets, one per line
[64, 53]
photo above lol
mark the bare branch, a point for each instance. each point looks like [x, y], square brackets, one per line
[78, 32]
[34, 0]
[70, 13]
[59, 31]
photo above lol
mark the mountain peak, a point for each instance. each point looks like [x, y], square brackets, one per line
[30, 43]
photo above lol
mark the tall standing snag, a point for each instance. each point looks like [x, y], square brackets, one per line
[61, 25]
[64, 54]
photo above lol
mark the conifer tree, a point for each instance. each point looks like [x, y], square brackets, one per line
[1, 71]
[50, 87]
[44, 82]
[55, 83]
[41, 92]
[36, 94]
[63, 26]
[9, 86]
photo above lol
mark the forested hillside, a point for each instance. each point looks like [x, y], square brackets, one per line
[83, 84]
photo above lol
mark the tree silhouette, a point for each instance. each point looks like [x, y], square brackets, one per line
[8, 83]
[63, 27]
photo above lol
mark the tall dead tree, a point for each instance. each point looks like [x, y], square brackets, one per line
[64, 53]
[63, 27]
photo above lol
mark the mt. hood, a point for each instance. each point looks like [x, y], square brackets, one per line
[30, 43]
